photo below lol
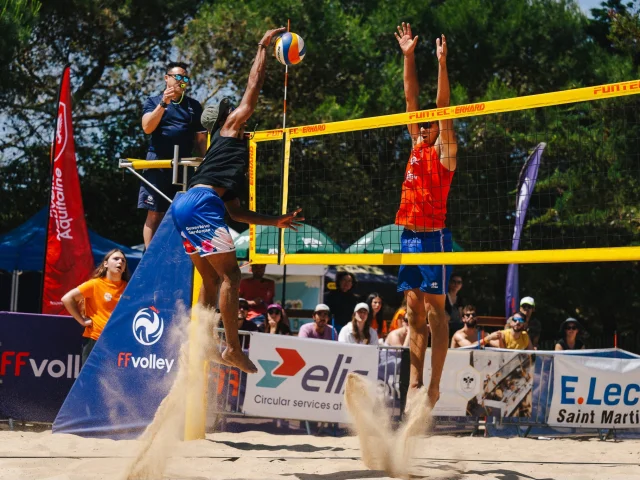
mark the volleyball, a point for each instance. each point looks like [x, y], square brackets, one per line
[290, 49]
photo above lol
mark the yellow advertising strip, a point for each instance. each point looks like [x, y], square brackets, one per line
[598, 92]
[144, 164]
[616, 254]
[196, 401]
[285, 192]
[263, 258]
[252, 197]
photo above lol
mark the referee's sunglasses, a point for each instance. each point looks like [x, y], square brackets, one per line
[179, 78]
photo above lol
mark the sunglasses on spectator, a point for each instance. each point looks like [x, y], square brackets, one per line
[571, 327]
[273, 311]
[526, 306]
[519, 320]
[469, 314]
[180, 78]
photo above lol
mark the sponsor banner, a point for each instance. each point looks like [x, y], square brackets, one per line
[304, 379]
[68, 256]
[595, 392]
[134, 362]
[39, 361]
[481, 383]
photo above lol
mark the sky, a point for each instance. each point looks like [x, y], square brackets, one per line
[586, 5]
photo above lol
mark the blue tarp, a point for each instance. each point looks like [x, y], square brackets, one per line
[23, 247]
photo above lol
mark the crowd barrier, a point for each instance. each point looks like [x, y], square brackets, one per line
[493, 392]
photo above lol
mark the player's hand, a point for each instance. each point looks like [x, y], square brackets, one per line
[269, 34]
[290, 220]
[441, 50]
[403, 35]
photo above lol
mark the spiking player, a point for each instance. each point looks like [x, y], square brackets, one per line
[422, 212]
[199, 214]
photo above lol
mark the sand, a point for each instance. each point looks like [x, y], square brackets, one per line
[27, 455]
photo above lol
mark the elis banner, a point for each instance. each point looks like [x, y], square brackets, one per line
[68, 258]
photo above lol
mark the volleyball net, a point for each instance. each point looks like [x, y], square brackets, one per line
[347, 177]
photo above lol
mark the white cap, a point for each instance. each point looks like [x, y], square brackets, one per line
[322, 307]
[528, 301]
[361, 305]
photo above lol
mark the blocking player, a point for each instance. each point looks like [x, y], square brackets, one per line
[422, 213]
[199, 213]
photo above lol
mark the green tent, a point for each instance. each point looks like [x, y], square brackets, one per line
[383, 240]
[307, 239]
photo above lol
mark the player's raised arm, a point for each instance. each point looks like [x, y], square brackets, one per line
[236, 119]
[411, 88]
[446, 144]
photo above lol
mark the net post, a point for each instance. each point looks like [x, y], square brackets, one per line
[253, 145]
[196, 401]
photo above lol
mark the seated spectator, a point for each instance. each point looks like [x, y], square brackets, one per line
[514, 338]
[454, 302]
[359, 329]
[277, 322]
[569, 330]
[259, 292]
[399, 316]
[243, 323]
[468, 334]
[320, 328]
[375, 315]
[400, 336]
[342, 300]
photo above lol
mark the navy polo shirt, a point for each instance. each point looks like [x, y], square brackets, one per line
[178, 126]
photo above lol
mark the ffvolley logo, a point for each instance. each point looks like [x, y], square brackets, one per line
[148, 326]
[292, 363]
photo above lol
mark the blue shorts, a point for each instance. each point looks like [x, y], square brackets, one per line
[199, 217]
[432, 279]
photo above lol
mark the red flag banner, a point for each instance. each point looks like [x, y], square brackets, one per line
[68, 258]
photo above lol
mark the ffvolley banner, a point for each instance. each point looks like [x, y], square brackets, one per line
[68, 257]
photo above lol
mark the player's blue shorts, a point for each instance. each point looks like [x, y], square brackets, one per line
[198, 215]
[428, 278]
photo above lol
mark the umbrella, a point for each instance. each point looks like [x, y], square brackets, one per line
[384, 240]
[307, 239]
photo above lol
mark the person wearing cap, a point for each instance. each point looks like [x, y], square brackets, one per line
[276, 321]
[514, 338]
[359, 330]
[319, 328]
[569, 330]
[199, 214]
[171, 118]
[533, 325]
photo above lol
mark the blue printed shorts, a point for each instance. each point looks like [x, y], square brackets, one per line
[198, 215]
[432, 279]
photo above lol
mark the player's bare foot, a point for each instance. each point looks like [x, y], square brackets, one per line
[412, 393]
[237, 358]
[213, 354]
[434, 395]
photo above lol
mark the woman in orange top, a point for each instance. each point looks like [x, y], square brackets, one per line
[100, 296]
[375, 316]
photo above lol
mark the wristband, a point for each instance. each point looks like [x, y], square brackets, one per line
[163, 105]
[262, 45]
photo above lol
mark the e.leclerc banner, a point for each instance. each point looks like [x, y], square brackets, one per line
[304, 379]
[68, 258]
[595, 392]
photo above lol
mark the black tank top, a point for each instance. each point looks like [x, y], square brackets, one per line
[224, 164]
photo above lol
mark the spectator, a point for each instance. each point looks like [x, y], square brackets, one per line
[569, 330]
[468, 334]
[259, 292]
[533, 326]
[276, 322]
[359, 329]
[171, 118]
[100, 296]
[399, 316]
[375, 315]
[320, 327]
[400, 336]
[514, 338]
[342, 300]
[454, 302]
[243, 323]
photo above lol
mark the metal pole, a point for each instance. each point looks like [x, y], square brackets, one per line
[15, 282]
[176, 160]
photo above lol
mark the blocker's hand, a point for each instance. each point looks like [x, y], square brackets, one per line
[290, 220]
[269, 34]
[407, 44]
[441, 50]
